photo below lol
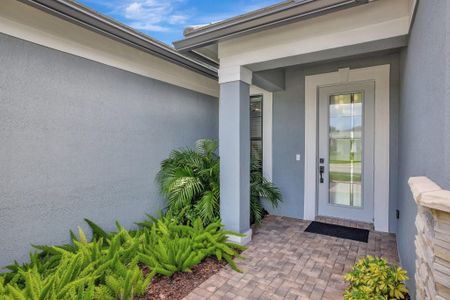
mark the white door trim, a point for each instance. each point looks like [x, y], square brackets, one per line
[380, 74]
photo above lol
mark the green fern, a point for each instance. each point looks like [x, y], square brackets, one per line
[97, 231]
[170, 247]
[107, 267]
[125, 282]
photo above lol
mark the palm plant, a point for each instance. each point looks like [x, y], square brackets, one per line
[260, 188]
[189, 179]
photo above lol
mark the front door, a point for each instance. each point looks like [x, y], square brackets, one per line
[345, 157]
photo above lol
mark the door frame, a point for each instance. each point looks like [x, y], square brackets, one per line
[381, 75]
[363, 213]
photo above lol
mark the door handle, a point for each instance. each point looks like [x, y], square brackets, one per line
[321, 171]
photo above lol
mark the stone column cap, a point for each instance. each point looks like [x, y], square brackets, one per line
[427, 193]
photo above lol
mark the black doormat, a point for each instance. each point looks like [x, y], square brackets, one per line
[343, 232]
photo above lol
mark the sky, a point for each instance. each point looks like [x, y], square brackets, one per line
[166, 19]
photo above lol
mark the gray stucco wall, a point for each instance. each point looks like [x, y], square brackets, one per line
[81, 139]
[289, 127]
[424, 144]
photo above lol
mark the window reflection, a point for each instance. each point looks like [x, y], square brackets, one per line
[256, 126]
[345, 149]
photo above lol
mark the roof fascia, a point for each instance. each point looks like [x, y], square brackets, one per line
[265, 19]
[82, 16]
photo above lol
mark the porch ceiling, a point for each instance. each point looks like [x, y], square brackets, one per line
[360, 50]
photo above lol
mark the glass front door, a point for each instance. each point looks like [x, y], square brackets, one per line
[345, 151]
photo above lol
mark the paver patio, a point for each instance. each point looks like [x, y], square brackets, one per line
[284, 262]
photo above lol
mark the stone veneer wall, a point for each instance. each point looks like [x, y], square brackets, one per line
[432, 239]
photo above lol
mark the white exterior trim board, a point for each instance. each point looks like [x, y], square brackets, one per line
[380, 74]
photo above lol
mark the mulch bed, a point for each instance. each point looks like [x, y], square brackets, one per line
[181, 284]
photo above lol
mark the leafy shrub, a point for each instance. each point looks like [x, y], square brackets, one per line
[64, 282]
[190, 181]
[170, 247]
[375, 278]
[108, 266]
[86, 270]
[260, 188]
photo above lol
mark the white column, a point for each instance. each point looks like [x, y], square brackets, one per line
[234, 150]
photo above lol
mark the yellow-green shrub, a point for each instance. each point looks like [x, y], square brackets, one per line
[373, 278]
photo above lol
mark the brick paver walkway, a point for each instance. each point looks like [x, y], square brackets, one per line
[284, 262]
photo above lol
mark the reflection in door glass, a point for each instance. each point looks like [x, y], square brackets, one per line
[345, 149]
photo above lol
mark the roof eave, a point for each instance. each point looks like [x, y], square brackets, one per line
[266, 19]
[78, 14]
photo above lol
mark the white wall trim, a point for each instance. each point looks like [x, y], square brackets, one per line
[28, 23]
[235, 73]
[380, 74]
[267, 128]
